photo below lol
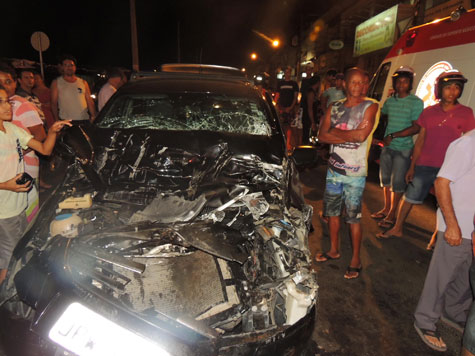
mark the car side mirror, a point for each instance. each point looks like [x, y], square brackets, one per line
[305, 157]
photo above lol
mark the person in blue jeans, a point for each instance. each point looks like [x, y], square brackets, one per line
[440, 125]
[402, 109]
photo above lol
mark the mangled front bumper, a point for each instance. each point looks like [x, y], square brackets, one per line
[219, 265]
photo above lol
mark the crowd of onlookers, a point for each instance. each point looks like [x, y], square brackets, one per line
[423, 147]
[31, 115]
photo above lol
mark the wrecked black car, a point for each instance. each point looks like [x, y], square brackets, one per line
[177, 229]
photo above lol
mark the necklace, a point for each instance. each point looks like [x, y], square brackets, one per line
[447, 116]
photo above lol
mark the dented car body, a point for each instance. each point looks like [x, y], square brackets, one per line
[179, 228]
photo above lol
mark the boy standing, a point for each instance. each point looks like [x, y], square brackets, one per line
[13, 196]
[402, 109]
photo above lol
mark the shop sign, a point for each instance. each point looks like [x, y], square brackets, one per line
[336, 44]
[376, 33]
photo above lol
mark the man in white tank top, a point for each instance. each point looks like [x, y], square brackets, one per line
[70, 95]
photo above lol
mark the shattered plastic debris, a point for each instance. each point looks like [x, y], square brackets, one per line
[227, 204]
[257, 204]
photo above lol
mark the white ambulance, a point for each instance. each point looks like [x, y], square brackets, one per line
[430, 49]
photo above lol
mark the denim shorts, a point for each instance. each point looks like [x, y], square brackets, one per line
[417, 190]
[469, 333]
[343, 189]
[393, 166]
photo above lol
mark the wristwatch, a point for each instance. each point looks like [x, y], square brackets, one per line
[392, 136]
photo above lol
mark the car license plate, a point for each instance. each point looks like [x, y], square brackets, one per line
[86, 333]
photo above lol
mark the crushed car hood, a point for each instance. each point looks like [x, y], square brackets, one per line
[205, 229]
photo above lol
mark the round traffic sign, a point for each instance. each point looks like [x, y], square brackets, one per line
[40, 41]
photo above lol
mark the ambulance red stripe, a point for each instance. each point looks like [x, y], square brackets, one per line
[445, 33]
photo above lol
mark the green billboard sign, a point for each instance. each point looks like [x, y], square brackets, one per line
[376, 33]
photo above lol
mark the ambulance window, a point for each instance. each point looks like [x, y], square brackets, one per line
[378, 82]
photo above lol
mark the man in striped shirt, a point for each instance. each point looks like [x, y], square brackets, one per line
[402, 110]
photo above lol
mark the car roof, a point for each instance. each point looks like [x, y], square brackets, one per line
[179, 82]
[202, 69]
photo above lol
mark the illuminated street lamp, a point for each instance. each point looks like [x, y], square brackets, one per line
[254, 56]
[275, 43]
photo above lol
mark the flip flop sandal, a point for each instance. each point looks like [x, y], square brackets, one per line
[378, 215]
[385, 224]
[423, 333]
[382, 236]
[350, 269]
[325, 257]
[460, 327]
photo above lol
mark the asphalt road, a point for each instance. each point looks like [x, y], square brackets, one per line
[372, 315]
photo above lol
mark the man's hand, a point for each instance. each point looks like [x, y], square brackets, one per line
[387, 140]
[14, 186]
[453, 236]
[410, 175]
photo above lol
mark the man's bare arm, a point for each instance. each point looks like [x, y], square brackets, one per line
[324, 134]
[90, 103]
[453, 234]
[361, 133]
[408, 131]
[416, 152]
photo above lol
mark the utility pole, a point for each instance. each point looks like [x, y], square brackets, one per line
[178, 54]
[133, 33]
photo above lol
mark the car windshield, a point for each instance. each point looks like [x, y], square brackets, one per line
[189, 112]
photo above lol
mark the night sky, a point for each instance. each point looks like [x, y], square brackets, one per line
[97, 32]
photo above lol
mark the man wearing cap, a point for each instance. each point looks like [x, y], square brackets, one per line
[440, 125]
[446, 294]
[402, 110]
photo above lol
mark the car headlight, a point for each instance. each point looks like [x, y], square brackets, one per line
[86, 333]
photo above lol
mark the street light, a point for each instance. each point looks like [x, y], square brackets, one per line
[254, 56]
[275, 43]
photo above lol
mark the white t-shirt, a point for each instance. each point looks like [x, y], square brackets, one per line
[72, 102]
[105, 93]
[12, 141]
[459, 168]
